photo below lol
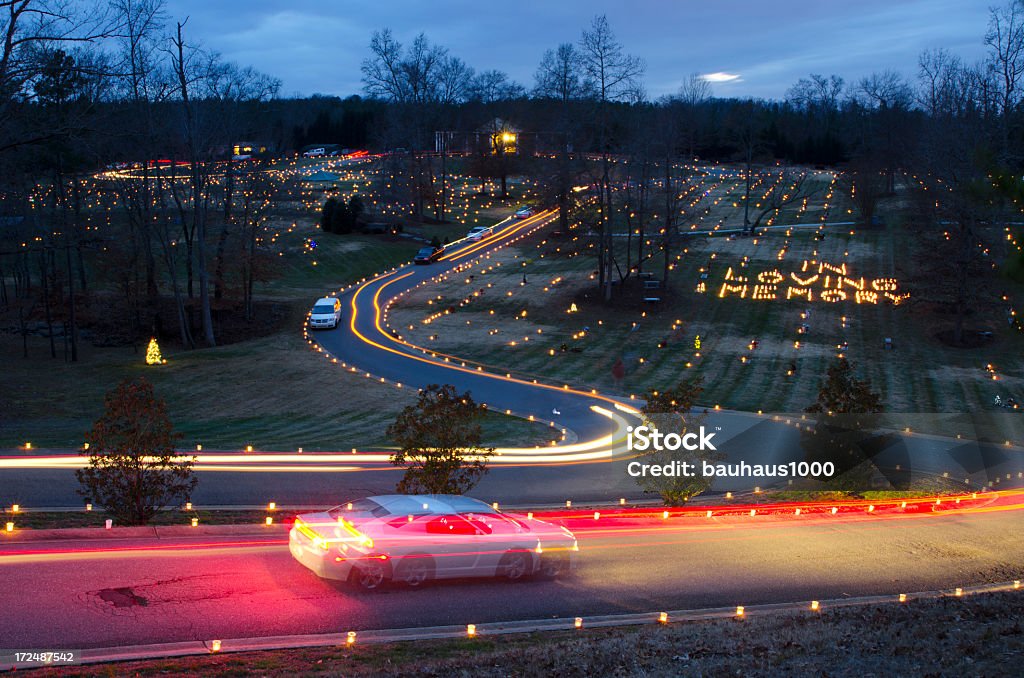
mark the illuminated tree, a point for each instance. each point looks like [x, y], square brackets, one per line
[134, 471]
[153, 356]
[439, 441]
[670, 412]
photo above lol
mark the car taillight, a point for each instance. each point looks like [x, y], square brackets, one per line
[311, 534]
[360, 537]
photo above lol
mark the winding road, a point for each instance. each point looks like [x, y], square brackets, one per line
[172, 585]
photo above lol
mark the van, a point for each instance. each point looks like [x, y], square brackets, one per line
[326, 314]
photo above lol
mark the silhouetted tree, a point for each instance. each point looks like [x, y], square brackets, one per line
[134, 471]
[440, 443]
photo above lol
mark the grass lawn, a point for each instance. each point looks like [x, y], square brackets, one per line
[270, 392]
[554, 328]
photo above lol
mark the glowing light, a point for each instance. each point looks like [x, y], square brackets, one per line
[958, 592]
[195, 522]
[88, 507]
[814, 605]
[153, 356]
[214, 646]
[739, 611]
[903, 597]
[663, 617]
[15, 508]
[470, 630]
[10, 527]
[350, 638]
[269, 520]
[272, 506]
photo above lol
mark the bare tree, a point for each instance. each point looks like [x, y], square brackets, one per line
[560, 78]
[937, 73]
[616, 77]
[30, 32]
[1005, 39]
[693, 93]
[490, 86]
[423, 73]
[560, 75]
[186, 63]
[788, 186]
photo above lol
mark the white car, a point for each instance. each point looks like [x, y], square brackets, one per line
[479, 233]
[326, 314]
[413, 539]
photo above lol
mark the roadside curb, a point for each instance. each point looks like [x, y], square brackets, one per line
[205, 647]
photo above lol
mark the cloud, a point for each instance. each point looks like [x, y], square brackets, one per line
[719, 76]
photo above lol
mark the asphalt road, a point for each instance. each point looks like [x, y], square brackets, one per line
[146, 591]
[366, 342]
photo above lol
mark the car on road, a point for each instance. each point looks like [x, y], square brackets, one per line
[413, 539]
[524, 212]
[428, 255]
[326, 314]
[479, 233]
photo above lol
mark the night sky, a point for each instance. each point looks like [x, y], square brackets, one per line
[754, 49]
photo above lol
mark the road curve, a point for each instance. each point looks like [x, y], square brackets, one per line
[363, 344]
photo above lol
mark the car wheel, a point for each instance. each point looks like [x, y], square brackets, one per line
[415, 570]
[514, 566]
[552, 567]
[370, 575]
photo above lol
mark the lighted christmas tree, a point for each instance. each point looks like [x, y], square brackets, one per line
[153, 356]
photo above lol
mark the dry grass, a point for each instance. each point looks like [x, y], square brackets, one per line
[273, 393]
[921, 375]
[980, 635]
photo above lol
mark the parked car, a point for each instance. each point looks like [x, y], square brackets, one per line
[479, 233]
[413, 539]
[428, 255]
[326, 314]
[524, 212]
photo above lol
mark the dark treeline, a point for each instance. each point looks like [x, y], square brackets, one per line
[120, 85]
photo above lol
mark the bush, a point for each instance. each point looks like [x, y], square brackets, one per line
[133, 470]
[439, 442]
